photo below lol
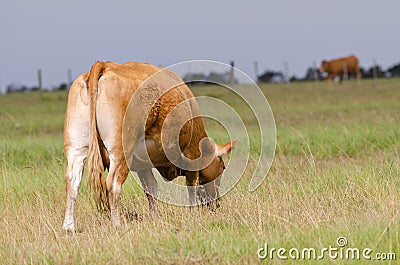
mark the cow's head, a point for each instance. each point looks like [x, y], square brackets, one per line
[217, 166]
[208, 176]
[324, 66]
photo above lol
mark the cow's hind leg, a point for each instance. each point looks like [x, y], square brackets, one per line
[117, 175]
[149, 184]
[73, 177]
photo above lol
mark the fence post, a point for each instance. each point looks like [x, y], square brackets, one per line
[232, 75]
[375, 71]
[315, 72]
[39, 73]
[286, 66]
[69, 77]
[256, 71]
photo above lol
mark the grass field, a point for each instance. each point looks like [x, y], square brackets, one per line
[336, 173]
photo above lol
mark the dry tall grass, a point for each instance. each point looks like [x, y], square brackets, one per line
[336, 173]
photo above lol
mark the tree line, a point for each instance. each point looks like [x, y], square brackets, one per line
[268, 76]
[313, 73]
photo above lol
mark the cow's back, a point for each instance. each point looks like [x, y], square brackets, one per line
[352, 64]
[132, 106]
[337, 66]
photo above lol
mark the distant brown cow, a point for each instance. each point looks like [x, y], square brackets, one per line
[338, 67]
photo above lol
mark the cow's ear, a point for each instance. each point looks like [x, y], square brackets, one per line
[221, 150]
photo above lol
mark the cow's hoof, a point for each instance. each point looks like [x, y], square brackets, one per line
[214, 205]
[69, 228]
[115, 219]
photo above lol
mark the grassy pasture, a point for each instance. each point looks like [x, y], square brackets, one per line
[336, 173]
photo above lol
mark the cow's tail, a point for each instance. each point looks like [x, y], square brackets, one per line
[95, 162]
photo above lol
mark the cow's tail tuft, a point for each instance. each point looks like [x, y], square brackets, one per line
[95, 162]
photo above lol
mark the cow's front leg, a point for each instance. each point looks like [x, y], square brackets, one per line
[192, 182]
[212, 194]
[150, 187]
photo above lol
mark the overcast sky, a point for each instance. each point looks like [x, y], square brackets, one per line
[60, 35]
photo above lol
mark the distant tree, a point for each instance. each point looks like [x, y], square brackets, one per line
[19, 88]
[364, 73]
[197, 77]
[62, 86]
[271, 76]
[12, 88]
[370, 72]
[213, 77]
[394, 71]
[219, 78]
[313, 73]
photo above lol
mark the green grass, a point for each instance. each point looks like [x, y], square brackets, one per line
[336, 173]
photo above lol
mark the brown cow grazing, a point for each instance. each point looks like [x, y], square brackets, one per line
[341, 66]
[102, 126]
